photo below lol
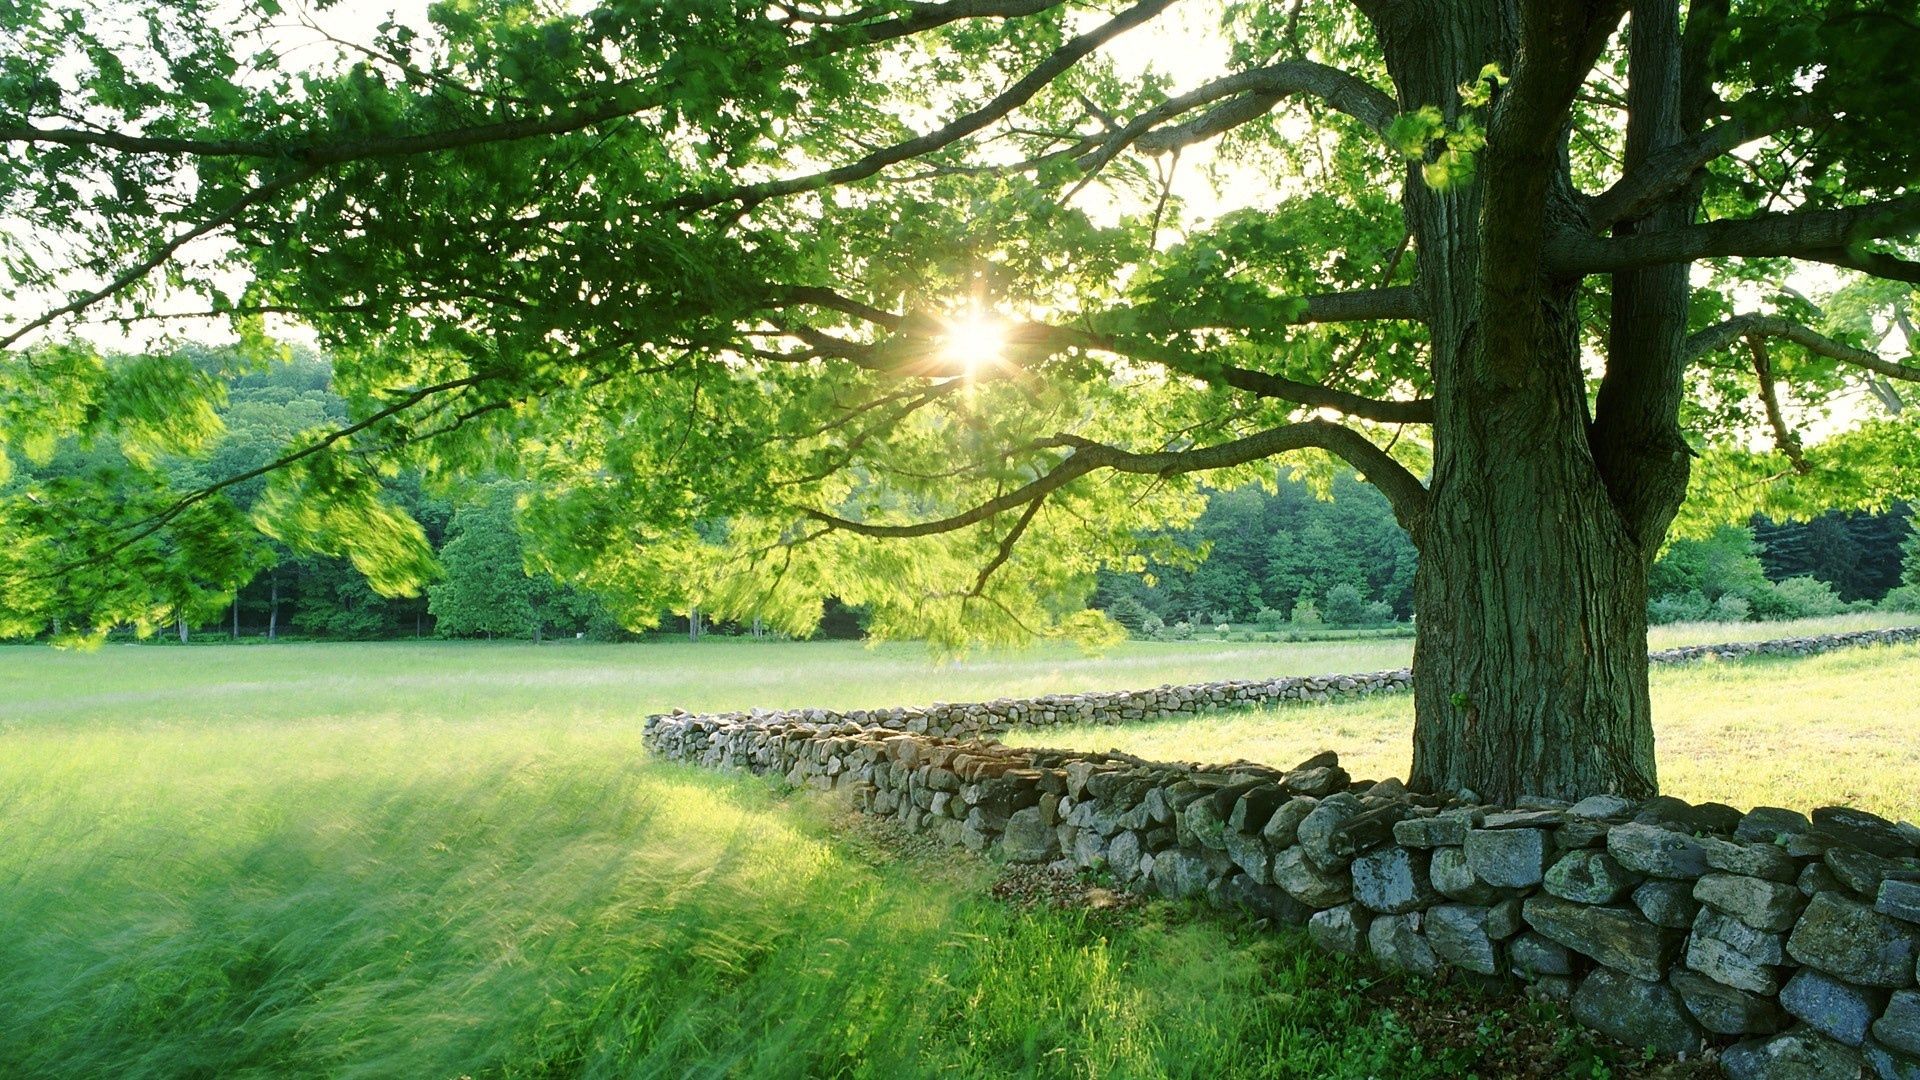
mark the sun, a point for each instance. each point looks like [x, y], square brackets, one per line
[974, 341]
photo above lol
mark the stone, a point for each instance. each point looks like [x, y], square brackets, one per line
[1028, 838]
[1321, 839]
[1763, 905]
[1089, 849]
[1899, 1027]
[1853, 828]
[1250, 854]
[1836, 1009]
[1581, 833]
[1657, 852]
[1768, 824]
[1256, 808]
[1888, 1065]
[1242, 892]
[1724, 1010]
[1318, 782]
[1459, 936]
[1751, 860]
[1123, 855]
[1532, 955]
[1847, 938]
[1392, 881]
[1899, 899]
[1636, 1012]
[1371, 828]
[1449, 873]
[1202, 824]
[1505, 919]
[1340, 929]
[1440, 830]
[1283, 828]
[1667, 903]
[1507, 858]
[1396, 942]
[1590, 877]
[1524, 819]
[1797, 1055]
[1307, 883]
[1602, 806]
[1724, 948]
[1816, 878]
[1864, 873]
[1615, 937]
[1179, 875]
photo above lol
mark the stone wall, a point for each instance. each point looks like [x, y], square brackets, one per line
[979, 718]
[1789, 943]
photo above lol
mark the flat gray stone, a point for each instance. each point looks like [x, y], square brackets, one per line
[1728, 965]
[1441, 830]
[1590, 877]
[1393, 880]
[1602, 806]
[1615, 937]
[1899, 1027]
[1513, 858]
[1340, 929]
[1532, 955]
[1636, 1012]
[1768, 824]
[1256, 808]
[1864, 872]
[1752, 860]
[1449, 873]
[1900, 899]
[1761, 904]
[1848, 939]
[1724, 1010]
[1797, 1055]
[1862, 830]
[1667, 903]
[1308, 884]
[1458, 934]
[1396, 941]
[1888, 1065]
[1836, 1009]
[1657, 852]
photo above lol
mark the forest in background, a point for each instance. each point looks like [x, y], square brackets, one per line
[1279, 559]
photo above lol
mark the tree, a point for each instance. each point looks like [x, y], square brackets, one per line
[696, 261]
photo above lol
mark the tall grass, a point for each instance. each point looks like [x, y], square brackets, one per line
[420, 900]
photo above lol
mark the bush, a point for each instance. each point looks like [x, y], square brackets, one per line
[1153, 626]
[1729, 608]
[1182, 631]
[1688, 606]
[1378, 611]
[1345, 606]
[1223, 630]
[1219, 617]
[1130, 613]
[1270, 619]
[1305, 613]
[1906, 598]
[1808, 597]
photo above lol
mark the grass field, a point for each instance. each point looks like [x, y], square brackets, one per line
[439, 860]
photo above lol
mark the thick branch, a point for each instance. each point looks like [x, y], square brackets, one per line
[1820, 235]
[1783, 436]
[1253, 94]
[1720, 335]
[1668, 170]
[1407, 495]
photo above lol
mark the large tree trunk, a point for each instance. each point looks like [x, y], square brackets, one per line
[1530, 657]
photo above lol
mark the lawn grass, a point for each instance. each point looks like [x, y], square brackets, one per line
[267, 898]
[1841, 728]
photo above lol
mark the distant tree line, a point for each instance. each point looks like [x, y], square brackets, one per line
[1287, 557]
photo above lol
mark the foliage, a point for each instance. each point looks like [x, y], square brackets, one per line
[1305, 613]
[1808, 597]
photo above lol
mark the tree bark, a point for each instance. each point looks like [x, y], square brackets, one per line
[180, 624]
[273, 610]
[1530, 642]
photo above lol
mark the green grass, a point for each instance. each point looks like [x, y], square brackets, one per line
[1839, 728]
[271, 897]
[439, 860]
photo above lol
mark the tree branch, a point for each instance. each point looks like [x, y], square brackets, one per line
[1403, 490]
[1254, 93]
[1783, 435]
[1720, 335]
[1819, 235]
[1056, 64]
[1668, 170]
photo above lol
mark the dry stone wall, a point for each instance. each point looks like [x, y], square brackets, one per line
[1788, 943]
[982, 718]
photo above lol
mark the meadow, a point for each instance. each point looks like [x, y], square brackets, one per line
[453, 860]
